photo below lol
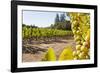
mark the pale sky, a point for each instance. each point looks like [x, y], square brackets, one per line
[40, 18]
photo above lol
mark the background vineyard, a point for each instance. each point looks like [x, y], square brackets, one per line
[44, 33]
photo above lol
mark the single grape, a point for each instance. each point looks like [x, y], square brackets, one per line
[85, 44]
[81, 55]
[78, 32]
[74, 53]
[77, 38]
[83, 48]
[78, 42]
[78, 52]
[78, 47]
[76, 57]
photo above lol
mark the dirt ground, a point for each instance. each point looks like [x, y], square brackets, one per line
[57, 46]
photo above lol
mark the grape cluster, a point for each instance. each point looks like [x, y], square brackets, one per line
[80, 25]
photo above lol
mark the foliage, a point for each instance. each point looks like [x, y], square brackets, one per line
[57, 19]
[61, 22]
[50, 55]
[65, 25]
[66, 54]
[62, 17]
[37, 33]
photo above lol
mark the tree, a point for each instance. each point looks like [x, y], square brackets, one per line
[61, 23]
[62, 17]
[51, 26]
[57, 18]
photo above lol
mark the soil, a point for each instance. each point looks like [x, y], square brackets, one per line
[58, 46]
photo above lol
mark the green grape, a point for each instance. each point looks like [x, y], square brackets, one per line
[87, 57]
[82, 55]
[74, 23]
[76, 57]
[77, 38]
[78, 52]
[74, 31]
[74, 53]
[81, 29]
[83, 48]
[78, 42]
[87, 38]
[78, 47]
[78, 32]
[85, 44]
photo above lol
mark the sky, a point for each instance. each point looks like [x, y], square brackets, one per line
[40, 18]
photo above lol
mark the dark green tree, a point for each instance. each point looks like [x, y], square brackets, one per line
[57, 18]
[62, 17]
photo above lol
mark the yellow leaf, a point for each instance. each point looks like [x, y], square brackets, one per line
[50, 55]
[87, 38]
[67, 54]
